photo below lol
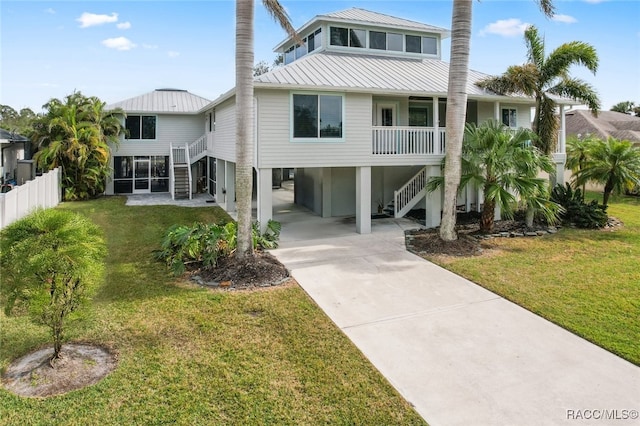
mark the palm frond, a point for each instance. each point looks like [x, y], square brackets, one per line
[579, 90]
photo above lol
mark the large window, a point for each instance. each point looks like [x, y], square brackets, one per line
[141, 127]
[510, 117]
[312, 42]
[351, 37]
[420, 115]
[317, 116]
[125, 173]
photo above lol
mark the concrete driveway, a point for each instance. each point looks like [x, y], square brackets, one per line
[459, 353]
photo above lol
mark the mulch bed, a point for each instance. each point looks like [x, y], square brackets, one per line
[261, 270]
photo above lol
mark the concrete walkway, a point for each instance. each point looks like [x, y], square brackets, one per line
[459, 353]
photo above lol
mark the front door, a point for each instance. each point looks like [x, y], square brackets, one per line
[141, 174]
[386, 115]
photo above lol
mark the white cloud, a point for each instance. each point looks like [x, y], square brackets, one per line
[91, 19]
[506, 27]
[594, 1]
[124, 25]
[119, 43]
[149, 46]
[173, 54]
[565, 19]
[50, 11]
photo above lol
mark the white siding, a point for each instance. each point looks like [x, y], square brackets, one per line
[224, 136]
[486, 112]
[275, 148]
[176, 129]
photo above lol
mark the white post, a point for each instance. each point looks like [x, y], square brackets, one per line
[230, 182]
[562, 149]
[265, 202]
[433, 201]
[221, 181]
[436, 126]
[496, 111]
[326, 192]
[363, 200]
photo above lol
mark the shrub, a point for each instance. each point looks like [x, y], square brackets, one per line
[51, 260]
[576, 211]
[201, 245]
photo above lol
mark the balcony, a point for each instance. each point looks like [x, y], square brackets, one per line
[407, 140]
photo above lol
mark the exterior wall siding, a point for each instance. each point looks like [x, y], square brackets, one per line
[176, 129]
[222, 142]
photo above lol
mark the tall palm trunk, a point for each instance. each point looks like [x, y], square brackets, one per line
[486, 219]
[244, 123]
[456, 113]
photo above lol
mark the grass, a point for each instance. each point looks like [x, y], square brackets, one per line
[586, 281]
[192, 356]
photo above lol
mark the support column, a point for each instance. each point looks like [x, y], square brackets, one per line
[230, 182]
[433, 201]
[436, 126]
[363, 200]
[561, 151]
[265, 202]
[221, 181]
[496, 111]
[326, 192]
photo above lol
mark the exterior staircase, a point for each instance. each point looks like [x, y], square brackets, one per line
[410, 194]
[180, 160]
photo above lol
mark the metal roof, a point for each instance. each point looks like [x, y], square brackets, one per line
[174, 101]
[372, 73]
[359, 16]
[363, 16]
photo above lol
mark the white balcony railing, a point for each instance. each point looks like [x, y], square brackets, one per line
[407, 140]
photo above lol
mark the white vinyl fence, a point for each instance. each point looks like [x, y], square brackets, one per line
[42, 192]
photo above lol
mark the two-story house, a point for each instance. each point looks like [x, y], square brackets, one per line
[358, 111]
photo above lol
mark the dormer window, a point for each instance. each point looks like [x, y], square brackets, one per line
[312, 42]
[350, 37]
[417, 44]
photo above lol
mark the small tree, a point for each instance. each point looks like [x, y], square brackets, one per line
[504, 165]
[51, 260]
[612, 163]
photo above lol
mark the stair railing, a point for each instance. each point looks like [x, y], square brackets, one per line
[404, 198]
[188, 161]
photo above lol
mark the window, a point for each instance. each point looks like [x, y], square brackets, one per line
[414, 44]
[430, 45]
[394, 42]
[289, 55]
[159, 173]
[311, 42]
[421, 116]
[317, 116]
[348, 37]
[140, 127]
[357, 38]
[377, 40]
[339, 36]
[509, 117]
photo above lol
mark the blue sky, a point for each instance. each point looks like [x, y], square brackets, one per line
[120, 49]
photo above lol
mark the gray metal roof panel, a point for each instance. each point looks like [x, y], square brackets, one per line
[163, 101]
[368, 17]
[343, 71]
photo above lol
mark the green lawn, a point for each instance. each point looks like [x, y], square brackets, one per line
[192, 356]
[585, 281]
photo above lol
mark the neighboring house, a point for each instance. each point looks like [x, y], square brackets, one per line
[152, 155]
[358, 111]
[607, 124]
[14, 149]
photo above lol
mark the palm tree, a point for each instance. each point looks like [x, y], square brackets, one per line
[505, 166]
[75, 135]
[456, 107]
[612, 163]
[542, 77]
[245, 112]
[578, 153]
[625, 107]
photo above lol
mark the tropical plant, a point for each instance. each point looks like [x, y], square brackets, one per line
[613, 163]
[52, 261]
[245, 112]
[75, 134]
[575, 211]
[202, 245]
[456, 107]
[505, 166]
[20, 122]
[577, 153]
[626, 107]
[542, 77]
